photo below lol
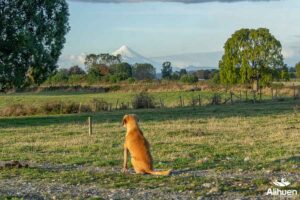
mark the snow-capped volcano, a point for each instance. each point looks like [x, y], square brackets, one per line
[130, 56]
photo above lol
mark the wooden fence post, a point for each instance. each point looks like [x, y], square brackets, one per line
[294, 88]
[240, 95]
[90, 125]
[117, 104]
[260, 93]
[161, 103]
[180, 101]
[79, 109]
[272, 93]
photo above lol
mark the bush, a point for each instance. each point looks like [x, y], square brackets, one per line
[52, 107]
[131, 80]
[18, 110]
[99, 105]
[76, 79]
[143, 100]
[60, 77]
[70, 107]
[189, 78]
[117, 77]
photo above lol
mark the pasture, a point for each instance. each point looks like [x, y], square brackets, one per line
[216, 152]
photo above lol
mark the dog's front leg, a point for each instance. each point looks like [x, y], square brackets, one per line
[125, 168]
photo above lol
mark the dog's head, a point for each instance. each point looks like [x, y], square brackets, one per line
[130, 119]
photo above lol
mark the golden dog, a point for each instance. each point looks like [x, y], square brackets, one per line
[139, 148]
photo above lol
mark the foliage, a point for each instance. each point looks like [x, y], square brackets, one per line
[96, 72]
[123, 70]
[76, 79]
[117, 77]
[101, 59]
[60, 77]
[143, 100]
[189, 78]
[297, 69]
[143, 71]
[251, 55]
[166, 70]
[32, 35]
[76, 70]
[216, 77]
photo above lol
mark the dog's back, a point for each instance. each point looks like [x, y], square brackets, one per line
[139, 148]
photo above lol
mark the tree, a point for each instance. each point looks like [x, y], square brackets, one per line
[297, 68]
[76, 70]
[143, 71]
[189, 78]
[251, 56]
[32, 35]
[166, 70]
[122, 68]
[101, 59]
[61, 76]
[182, 72]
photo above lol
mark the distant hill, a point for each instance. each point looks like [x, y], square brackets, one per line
[130, 56]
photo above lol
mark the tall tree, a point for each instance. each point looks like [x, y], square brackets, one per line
[251, 56]
[122, 68]
[297, 68]
[143, 71]
[75, 70]
[166, 70]
[32, 35]
[102, 59]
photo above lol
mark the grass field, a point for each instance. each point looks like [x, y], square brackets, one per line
[220, 152]
[170, 98]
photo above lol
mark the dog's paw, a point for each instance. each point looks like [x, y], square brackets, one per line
[125, 170]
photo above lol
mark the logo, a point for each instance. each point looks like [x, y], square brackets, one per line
[282, 183]
[278, 192]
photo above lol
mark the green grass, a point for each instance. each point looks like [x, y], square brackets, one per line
[170, 99]
[213, 138]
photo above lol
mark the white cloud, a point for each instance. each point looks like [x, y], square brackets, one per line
[66, 61]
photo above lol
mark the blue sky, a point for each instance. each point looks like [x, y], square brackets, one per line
[166, 28]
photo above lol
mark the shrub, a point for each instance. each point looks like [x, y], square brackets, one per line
[52, 107]
[99, 105]
[70, 107]
[143, 100]
[76, 79]
[189, 78]
[18, 110]
[131, 80]
[59, 77]
[85, 108]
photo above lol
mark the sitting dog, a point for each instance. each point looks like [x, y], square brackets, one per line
[139, 148]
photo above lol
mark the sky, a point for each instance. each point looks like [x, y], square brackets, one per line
[157, 28]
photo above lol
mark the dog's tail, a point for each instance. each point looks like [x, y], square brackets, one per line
[162, 173]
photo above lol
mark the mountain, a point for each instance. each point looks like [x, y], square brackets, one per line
[130, 56]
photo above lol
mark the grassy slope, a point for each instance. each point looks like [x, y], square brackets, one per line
[223, 139]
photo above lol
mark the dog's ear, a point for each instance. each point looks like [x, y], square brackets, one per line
[124, 121]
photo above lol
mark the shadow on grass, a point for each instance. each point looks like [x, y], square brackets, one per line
[265, 108]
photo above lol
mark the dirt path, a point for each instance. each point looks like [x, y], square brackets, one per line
[17, 187]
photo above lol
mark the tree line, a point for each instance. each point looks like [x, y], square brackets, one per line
[32, 36]
[110, 68]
